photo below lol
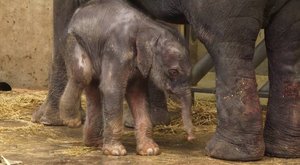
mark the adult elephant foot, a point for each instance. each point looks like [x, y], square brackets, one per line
[239, 132]
[235, 147]
[47, 115]
[282, 128]
[280, 144]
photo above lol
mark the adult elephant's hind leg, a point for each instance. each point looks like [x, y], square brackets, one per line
[239, 130]
[48, 112]
[282, 128]
[158, 110]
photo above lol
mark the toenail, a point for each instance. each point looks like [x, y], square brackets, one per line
[150, 151]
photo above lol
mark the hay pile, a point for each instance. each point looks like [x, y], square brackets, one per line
[203, 113]
[19, 105]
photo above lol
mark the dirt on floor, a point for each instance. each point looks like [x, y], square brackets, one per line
[23, 142]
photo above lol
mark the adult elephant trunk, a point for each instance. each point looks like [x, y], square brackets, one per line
[185, 98]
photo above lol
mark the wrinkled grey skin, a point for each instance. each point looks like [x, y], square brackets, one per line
[229, 28]
[48, 113]
[112, 51]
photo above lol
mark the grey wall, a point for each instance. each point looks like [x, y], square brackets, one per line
[25, 42]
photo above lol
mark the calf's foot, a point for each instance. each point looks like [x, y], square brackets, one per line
[69, 119]
[72, 123]
[147, 147]
[114, 149]
[70, 106]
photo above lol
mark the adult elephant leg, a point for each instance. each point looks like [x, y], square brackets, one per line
[239, 129]
[282, 128]
[158, 105]
[238, 134]
[48, 113]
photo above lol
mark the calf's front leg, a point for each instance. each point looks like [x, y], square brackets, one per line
[112, 90]
[137, 99]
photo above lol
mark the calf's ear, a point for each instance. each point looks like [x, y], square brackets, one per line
[145, 46]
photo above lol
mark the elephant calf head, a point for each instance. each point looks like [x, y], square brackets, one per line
[162, 56]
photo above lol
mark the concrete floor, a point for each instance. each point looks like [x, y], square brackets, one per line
[64, 146]
[21, 140]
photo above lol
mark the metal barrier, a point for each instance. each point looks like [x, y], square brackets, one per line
[203, 66]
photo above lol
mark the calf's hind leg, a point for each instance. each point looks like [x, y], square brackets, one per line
[48, 112]
[79, 70]
[93, 126]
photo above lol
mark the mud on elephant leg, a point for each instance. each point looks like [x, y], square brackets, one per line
[282, 128]
[238, 134]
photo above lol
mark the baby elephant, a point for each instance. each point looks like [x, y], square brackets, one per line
[112, 51]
